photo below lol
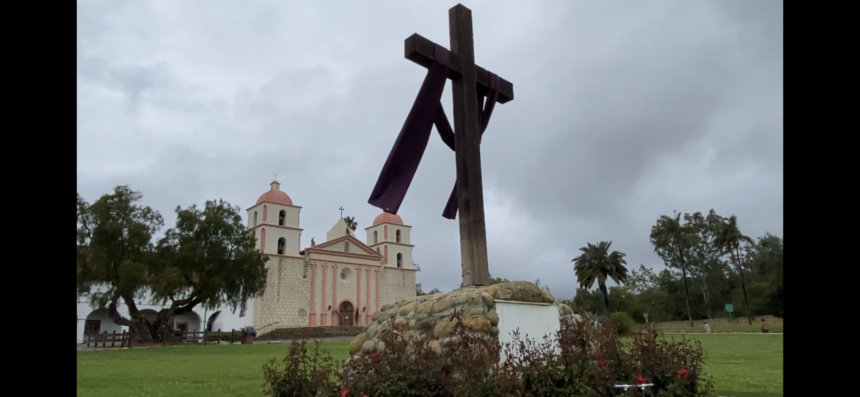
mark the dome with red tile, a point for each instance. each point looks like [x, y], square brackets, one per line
[387, 218]
[275, 195]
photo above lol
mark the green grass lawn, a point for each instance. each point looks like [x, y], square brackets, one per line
[722, 325]
[742, 366]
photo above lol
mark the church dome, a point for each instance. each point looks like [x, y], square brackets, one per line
[387, 218]
[275, 195]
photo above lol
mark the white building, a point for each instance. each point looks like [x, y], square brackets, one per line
[340, 281]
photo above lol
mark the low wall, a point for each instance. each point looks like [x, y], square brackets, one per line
[428, 316]
[310, 332]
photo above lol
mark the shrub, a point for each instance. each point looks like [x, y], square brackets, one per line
[464, 364]
[303, 374]
[622, 322]
[580, 360]
[231, 337]
[674, 367]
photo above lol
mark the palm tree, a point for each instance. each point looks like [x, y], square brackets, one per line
[669, 235]
[351, 223]
[597, 264]
[728, 239]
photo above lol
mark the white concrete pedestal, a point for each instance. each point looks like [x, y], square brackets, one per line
[534, 321]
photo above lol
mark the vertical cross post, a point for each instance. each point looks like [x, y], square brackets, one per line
[470, 190]
[341, 212]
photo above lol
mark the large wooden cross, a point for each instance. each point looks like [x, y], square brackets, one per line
[468, 80]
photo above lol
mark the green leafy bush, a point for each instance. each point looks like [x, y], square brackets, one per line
[622, 322]
[580, 360]
[306, 372]
[226, 337]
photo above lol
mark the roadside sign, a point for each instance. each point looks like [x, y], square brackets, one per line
[729, 307]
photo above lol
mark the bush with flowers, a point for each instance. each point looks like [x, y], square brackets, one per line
[580, 360]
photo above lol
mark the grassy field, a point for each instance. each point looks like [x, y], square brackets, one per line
[742, 366]
[722, 325]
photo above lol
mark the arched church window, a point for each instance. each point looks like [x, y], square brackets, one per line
[281, 217]
[263, 240]
[282, 242]
[399, 260]
[346, 246]
[255, 218]
[397, 236]
[375, 238]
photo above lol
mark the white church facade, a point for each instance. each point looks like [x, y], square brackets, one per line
[339, 282]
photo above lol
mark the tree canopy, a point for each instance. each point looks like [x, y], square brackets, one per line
[208, 259]
[718, 267]
[597, 264]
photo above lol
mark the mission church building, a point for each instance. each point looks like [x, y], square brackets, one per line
[339, 282]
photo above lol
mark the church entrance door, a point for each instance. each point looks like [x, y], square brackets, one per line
[345, 314]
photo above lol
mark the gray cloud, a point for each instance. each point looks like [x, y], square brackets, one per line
[623, 112]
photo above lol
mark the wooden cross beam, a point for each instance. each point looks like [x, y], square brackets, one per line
[420, 50]
[468, 80]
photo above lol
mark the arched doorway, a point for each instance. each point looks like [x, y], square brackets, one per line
[149, 314]
[211, 323]
[188, 324]
[345, 313]
[99, 322]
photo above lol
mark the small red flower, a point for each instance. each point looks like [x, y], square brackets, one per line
[374, 355]
[601, 364]
[640, 380]
[683, 372]
[344, 392]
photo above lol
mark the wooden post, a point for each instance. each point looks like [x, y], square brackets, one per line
[113, 339]
[219, 336]
[104, 339]
[130, 337]
[467, 132]
[232, 330]
[468, 80]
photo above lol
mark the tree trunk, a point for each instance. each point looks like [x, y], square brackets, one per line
[605, 298]
[707, 303]
[706, 296]
[743, 284]
[686, 289]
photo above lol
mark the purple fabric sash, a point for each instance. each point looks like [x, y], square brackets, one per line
[403, 160]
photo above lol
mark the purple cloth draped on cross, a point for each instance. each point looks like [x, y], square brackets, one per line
[402, 162]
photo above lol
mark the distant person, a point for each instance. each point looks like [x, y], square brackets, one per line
[763, 326]
[707, 328]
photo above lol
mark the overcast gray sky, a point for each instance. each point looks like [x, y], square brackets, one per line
[624, 111]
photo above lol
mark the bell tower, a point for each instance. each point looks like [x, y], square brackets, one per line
[391, 238]
[275, 222]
